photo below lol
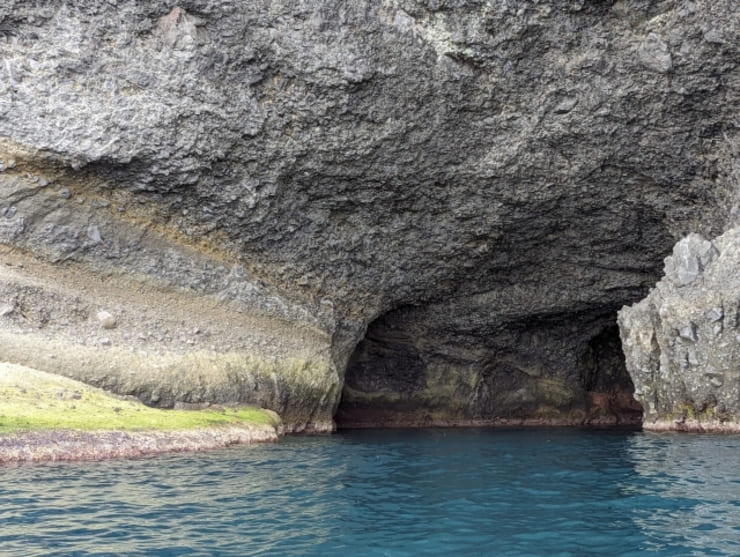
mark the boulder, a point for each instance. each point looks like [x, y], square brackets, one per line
[682, 342]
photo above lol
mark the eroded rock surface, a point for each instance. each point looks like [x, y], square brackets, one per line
[489, 180]
[682, 342]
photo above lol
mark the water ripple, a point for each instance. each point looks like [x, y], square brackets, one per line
[427, 492]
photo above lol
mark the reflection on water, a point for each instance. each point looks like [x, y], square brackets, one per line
[694, 481]
[427, 492]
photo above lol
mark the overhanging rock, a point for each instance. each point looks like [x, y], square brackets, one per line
[249, 187]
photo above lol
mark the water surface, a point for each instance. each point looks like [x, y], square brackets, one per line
[424, 492]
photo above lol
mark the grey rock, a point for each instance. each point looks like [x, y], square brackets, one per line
[106, 319]
[93, 234]
[715, 314]
[688, 332]
[566, 105]
[713, 36]
[655, 55]
[6, 309]
[690, 257]
[415, 170]
[692, 384]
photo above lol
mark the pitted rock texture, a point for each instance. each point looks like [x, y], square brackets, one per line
[682, 342]
[492, 179]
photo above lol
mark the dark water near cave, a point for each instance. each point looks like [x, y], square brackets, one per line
[424, 492]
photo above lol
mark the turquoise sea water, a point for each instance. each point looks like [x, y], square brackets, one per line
[424, 492]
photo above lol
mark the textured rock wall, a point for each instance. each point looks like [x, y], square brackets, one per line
[488, 180]
[682, 342]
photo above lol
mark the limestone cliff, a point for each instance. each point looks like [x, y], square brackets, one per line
[248, 188]
[681, 342]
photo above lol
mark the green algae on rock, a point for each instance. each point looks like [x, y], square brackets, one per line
[47, 417]
[218, 355]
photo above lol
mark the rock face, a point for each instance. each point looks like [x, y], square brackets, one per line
[477, 185]
[682, 342]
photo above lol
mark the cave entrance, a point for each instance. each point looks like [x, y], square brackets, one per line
[405, 374]
[384, 372]
[608, 387]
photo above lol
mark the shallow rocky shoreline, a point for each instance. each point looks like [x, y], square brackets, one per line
[692, 426]
[47, 417]
[66, 445]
